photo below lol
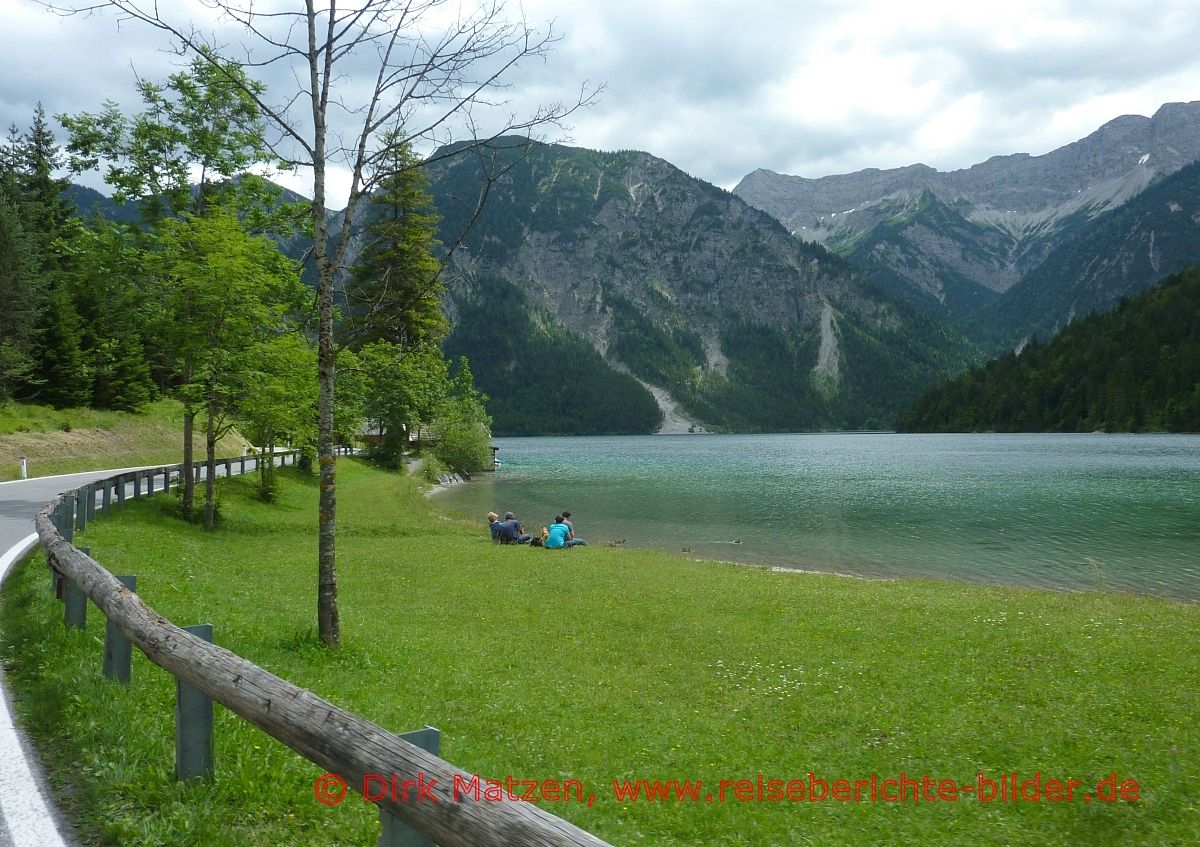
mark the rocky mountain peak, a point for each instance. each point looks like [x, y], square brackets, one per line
[992, 222]
[1130, 148]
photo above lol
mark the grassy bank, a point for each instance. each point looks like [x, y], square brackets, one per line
[68, 440]
[598, 664]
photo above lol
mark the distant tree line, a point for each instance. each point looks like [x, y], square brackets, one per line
[1132, 370]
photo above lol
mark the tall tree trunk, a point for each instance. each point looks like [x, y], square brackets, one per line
[210, 473]
[327, 600]
[189, 476]
[266, 468]
[328, 625]
[188, 503]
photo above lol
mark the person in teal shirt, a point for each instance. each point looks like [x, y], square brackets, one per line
[560, 533]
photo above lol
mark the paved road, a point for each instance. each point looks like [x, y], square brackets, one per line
[28, 817]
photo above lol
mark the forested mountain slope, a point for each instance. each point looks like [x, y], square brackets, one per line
[1136, 368]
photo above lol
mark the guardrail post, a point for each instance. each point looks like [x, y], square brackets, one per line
[137, 484]
[67, 529]
[80, 503]
[196, 471]
[74, 600]
[118, 652]
[229, 467]
[193, 724]
[395, 832]
[91, 502]
[59, 518]
[242, 464]
[120, 487]
[105, 496]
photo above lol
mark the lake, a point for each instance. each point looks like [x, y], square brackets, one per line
[1063, 511]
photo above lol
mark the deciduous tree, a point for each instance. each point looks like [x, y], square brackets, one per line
[230, 292]
[195, 145]
[282, 401]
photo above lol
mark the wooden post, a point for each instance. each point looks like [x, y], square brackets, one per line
[74, 601]
[193, 723]
[393, 831]
[118, 652]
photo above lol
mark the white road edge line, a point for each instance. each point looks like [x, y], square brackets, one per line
[80, 473]
[28, 817]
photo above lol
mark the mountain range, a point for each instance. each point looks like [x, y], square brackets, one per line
[954, 243]
[712, 305]
[612, 293]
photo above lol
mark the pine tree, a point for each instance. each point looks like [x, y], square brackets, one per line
[30, 219]
[47, 209]
[63, 380]
[20, 301]
[395, 290]
[111, 292]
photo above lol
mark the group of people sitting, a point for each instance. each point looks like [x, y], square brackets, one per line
[559, 535]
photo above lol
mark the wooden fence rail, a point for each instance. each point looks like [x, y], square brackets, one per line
[339, 741]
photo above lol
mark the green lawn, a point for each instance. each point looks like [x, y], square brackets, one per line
[597, 664]
[68, 440]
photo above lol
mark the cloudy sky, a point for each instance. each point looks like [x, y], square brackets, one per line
[722, 87]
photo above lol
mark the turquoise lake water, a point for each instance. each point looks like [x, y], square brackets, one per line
[1065, 511]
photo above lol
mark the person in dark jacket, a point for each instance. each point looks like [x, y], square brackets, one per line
[510, 530]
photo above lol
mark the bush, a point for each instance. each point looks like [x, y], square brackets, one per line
[432, 469]
[465, 446]
[308, 458]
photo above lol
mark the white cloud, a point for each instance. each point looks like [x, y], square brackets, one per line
[722, 87]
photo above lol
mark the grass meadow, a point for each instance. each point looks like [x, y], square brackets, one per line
[602, 664]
